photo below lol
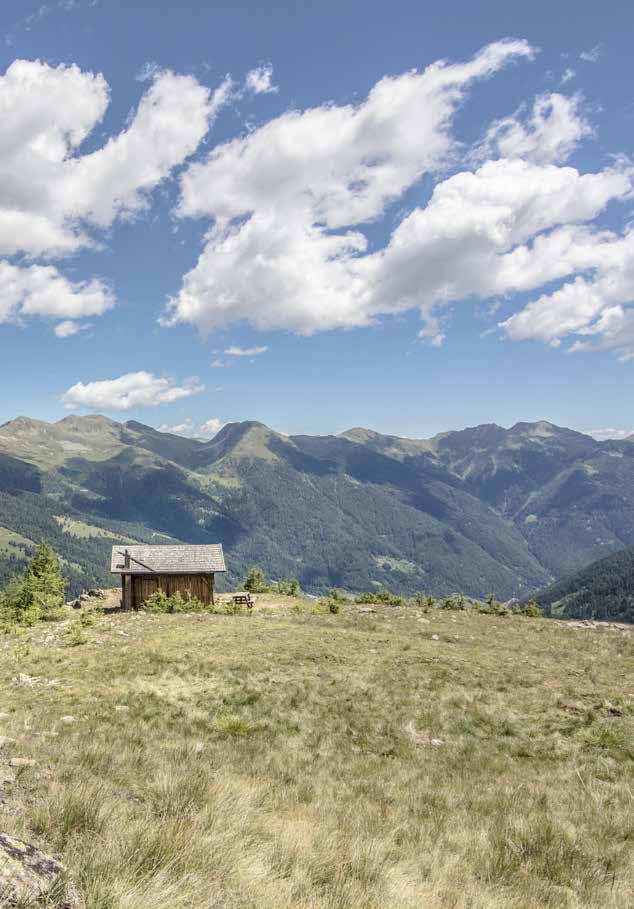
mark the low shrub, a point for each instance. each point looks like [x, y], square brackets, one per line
[424, 601]
[532, 610]
[327, 605]
[337, 596]
[288, 587]
[492, 606]
[380, 597]
[75, 634]
[455, 604]
[159, 601]
[87, 618]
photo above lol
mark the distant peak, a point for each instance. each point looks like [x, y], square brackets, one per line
[358, 432]
[91, 419]
[23, 423]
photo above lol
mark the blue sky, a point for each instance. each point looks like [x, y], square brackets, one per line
[289, 213]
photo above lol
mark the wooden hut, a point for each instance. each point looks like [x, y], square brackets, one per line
[190, 569]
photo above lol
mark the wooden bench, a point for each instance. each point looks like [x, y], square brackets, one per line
[243, 598]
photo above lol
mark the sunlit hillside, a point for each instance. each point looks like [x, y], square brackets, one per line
[378, 758]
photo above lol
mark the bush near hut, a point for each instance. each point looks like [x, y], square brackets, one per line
[159, 601]
[256, 582]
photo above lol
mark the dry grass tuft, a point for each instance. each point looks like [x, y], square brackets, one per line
[292, 760]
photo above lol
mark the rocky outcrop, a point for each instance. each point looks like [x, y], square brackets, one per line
[26, 873]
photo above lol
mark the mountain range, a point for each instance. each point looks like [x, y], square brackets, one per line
[478, 510]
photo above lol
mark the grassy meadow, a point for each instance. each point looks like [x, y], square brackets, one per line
[394, 759]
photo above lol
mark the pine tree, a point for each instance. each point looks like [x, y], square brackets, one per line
[38, 592]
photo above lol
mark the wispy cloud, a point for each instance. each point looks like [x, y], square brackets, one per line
[259, 81]
[592, 55]
[148, 71]
[43, 11]
[235, 351]
[69, 327]
[602, 435]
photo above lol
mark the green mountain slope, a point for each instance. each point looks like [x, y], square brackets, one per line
[602, 590]
[484, 509]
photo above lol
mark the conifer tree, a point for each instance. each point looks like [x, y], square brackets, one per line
[36, 593]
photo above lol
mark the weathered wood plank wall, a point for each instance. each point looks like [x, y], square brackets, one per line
[197, 585]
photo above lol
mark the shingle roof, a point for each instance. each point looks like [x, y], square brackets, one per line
[182, 558]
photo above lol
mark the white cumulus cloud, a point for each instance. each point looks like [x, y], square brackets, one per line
[134, 389]
[594, 305]
[192, 430]
[288, 203]
[54, 199]
[549, 134]
[50, 195]
[286, 199]
[211, 427]
[41, 291]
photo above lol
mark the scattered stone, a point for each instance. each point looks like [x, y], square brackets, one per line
[22, 680]
[366, 609]
[26, 873]
[421, 738]
[6, 742]
[435, 637]
[68, 720]
[424, 621]
[5, 716]
[7, 777]
[121, 708]
[22, 762]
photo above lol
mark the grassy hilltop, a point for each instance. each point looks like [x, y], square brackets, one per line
[364, 760]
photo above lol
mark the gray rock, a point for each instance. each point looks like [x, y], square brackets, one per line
[26, 873]
[6, 741]
[22, 762]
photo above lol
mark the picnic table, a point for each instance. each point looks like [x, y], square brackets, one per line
[243, 598]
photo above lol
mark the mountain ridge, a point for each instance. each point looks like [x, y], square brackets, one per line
[480, 509]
